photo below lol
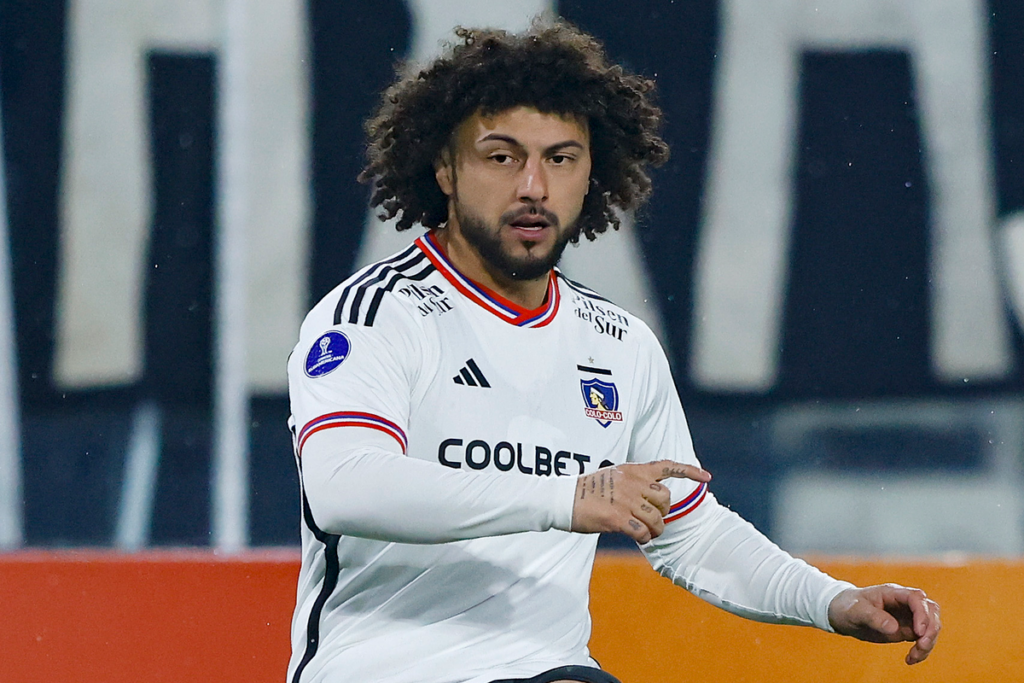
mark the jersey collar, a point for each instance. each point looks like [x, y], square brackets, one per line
[507, 310]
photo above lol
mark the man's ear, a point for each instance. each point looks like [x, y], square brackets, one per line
[444, 173]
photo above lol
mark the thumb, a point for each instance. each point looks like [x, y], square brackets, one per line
[878, 619]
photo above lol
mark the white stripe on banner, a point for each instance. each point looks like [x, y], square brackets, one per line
[742, 256]
[230, 485]
[106, 182]
[1011, 235]
[138, 489]
[11, 535]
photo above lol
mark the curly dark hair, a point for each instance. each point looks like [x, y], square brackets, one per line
[554, 68]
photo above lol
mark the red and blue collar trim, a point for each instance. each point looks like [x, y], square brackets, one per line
[507, 310]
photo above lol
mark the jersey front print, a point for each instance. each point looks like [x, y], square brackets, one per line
[503, 407]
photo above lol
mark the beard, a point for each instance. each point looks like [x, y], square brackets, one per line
[487, 242]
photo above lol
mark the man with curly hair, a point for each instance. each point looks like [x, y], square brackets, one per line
[467, 419]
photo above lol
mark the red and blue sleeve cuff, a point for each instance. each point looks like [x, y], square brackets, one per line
[688, 504]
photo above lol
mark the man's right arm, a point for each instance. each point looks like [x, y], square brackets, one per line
[357, 484]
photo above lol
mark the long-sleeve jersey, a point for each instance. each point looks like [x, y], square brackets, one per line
[439, 431]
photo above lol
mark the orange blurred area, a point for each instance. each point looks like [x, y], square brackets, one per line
[646, 629]
[90, 616]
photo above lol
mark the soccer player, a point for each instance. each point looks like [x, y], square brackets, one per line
[467, 419]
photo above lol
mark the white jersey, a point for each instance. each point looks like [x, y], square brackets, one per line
[439, 432]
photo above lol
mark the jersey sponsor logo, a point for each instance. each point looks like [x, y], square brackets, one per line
[601, 401]
[428, 298]
[327, 353]
[505, 456]
[604, 319]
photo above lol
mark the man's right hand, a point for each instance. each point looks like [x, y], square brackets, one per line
[628, 498]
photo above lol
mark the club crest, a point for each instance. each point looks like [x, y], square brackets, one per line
[601, 401]
[327, 353]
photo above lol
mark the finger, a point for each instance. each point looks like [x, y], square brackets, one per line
[637, 530]
[917, 654]
[651, 517]
[659, 496]
[925, 611]
[921, 649]
[878, 620]
[930, 632]
[671, 469]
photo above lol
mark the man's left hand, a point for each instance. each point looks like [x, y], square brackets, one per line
[888, 614]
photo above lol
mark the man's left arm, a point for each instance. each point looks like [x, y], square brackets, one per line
[724, 560]
[718, 556]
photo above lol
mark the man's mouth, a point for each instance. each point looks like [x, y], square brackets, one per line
[530, 222]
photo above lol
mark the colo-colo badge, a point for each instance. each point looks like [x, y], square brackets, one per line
[601, 401]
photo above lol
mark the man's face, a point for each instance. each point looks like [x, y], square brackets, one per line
[516, 182]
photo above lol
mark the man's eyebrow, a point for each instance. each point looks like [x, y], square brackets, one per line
[498, 137]
[562, 145]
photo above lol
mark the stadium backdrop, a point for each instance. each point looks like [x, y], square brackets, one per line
[855, 314]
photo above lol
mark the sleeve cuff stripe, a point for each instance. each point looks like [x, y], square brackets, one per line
[688, 505]
[353, 419]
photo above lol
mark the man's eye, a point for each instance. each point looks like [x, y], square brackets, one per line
[501, 158]
[559, 159]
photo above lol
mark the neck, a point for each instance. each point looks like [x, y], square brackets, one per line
[529, 294]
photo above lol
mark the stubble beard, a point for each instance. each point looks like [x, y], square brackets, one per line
[488, 244]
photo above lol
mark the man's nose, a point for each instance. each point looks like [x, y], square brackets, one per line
[533, 182]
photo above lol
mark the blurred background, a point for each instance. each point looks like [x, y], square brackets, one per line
[833, 256]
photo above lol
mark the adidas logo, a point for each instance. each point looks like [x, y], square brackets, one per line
[470, 374]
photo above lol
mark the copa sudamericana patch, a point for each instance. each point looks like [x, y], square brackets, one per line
[327, 353]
